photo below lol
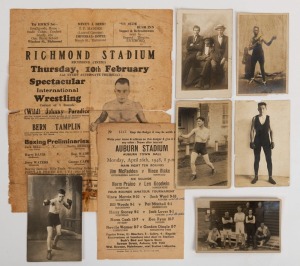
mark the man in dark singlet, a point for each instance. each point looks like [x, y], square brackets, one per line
[201, 137]
[227, 222]
[258, 53]
[261, 136]
[250, 227]
[121, 109]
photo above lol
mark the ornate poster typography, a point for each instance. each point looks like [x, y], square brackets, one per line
[73, 69]
[140, 213]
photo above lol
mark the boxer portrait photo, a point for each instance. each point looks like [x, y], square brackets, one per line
[54, 228]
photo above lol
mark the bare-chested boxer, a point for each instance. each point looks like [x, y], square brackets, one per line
[121, 109]
[201, 137]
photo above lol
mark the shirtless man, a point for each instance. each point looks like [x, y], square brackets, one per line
[262, 136]
[201, 137]
[121, 109]
[55, 206]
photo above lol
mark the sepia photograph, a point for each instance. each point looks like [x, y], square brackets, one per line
[262, 54]
[54, 227]
[238, 225]
[203, 144]
[262, 143]
[204, 43]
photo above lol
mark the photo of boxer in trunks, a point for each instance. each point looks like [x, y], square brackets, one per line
[201, 137]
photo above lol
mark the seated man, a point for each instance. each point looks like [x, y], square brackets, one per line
[262, 234]
[204, 57]
[214, 238]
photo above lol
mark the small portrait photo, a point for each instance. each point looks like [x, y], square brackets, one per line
[262, 143]
[204, 43]
[262, 54]
[238, 225]
[203, 144]
[54, 227]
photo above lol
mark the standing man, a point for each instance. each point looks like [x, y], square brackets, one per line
[121, 109]
[250, 227]
[201, 137]
[227, 225]
[53, 220]
[220, 55]
[214, 221]
[194, 44]
[259, 214]
[258, 53]
[239, 219]
[262, 136]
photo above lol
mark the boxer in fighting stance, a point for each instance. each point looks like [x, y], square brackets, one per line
[55, 206]
[262, 136]
[121, 109]
[201, 137]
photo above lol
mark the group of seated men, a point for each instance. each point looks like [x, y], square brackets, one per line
[246, 227]
[210, 54]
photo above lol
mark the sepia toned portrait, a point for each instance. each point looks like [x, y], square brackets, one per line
[262, 54]
[262, 143]
[203, 144]
[204, 39]
[238, 225]
[54, 228]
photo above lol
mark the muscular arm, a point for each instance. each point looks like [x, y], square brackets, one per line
[271, 132]
[67, 205]
[100, 119]
[252, 130]
[140, 114]
[270, 42]
[186, 136]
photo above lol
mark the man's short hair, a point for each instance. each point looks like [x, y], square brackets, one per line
[262, 103]
[255, 27]
[196, 27]
[239, 207]
[122, 81]
[62, 191]
[200, 118]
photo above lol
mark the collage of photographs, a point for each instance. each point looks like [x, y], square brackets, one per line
[98, 126]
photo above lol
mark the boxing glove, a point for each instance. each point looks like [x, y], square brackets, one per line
[252, 145]
[272, 145]
[46, 202]
[69, 202]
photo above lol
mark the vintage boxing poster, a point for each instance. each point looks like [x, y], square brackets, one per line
[140, 213]
[72, 69]
[204, 49]
[203, 144]
[262, 53]
[234, 225]
[54, 227]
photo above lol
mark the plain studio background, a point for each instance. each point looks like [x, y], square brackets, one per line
[14, 226]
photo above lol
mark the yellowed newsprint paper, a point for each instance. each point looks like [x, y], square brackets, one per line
[140, 213]
[72, 69]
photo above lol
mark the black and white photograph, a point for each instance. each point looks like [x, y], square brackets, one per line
[262, 143]
[238, 225]
[262, 53]
[203, 144]
[204, 43]
[54, 228]
[121, 109]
